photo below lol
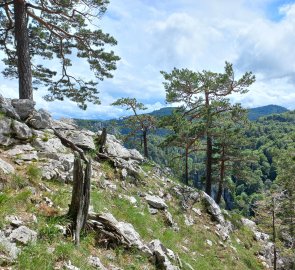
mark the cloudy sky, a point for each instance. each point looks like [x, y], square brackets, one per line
[154, 35]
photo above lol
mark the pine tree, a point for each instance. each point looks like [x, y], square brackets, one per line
[204, 95]
[137, 123]
[36, 31]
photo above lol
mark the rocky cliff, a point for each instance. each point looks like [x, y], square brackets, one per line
[141, 218]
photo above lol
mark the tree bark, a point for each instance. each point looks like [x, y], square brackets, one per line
[209, 150]
[22, 50]
[145, 147]
[221, 178]
[78, 210]
[186, 166]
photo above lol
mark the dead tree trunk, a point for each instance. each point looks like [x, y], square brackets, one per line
[79, 206]
[78, 210]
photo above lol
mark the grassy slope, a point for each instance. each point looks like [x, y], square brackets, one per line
[189, 243]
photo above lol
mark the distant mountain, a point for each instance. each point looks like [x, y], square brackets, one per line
[255, 113]
[163, 111]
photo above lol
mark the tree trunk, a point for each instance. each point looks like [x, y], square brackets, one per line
[209, 150]
[145, 147]
[186, 166]
[79, 206]
[221, 179]
[22, 50]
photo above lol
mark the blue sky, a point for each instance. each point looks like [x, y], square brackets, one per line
[153, 35]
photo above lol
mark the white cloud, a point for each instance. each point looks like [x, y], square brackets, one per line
[159, 35]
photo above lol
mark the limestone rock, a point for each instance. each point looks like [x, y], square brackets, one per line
[20, 130]
[6, 167]
[7, 108]
[51, 145]
[6, 132]
[23, 235]
[40, 119]
[8, 246]
[68, 266]
[153, 211]
[213, 208]
[95, 262]
[162, 254]
[156, 202]
[82, 139]
[188, 220]
[13, 221]
[23, 107]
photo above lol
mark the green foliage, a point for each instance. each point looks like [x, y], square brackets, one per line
[34, 173]
[59, 29]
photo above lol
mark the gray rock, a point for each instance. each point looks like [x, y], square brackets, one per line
[52, 145]
[68, 266]
[8, 246]
[13, 221]
[153, 211]
[115, 148]
[6, 167]
[124, 173]
[209, 242]
[81, 138]
[188, 220]
[19, 149]
[20, 130]
[197, 211]
[131, 199]
[23, 235]
[161, 255]
[95, 262]
[39, 119]
[126, 231]
[213, 208]
[6, 138]
[156, 202]
[23, 107]
[7, 108]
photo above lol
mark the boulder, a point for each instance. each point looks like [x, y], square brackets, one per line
[115, 148]
[6, 132]
[13, 221]
[50, 145]
[8, 246]
[23, 107]
[7, 108]
[213, 208]
[82, 139]
[121, 232]
[6, 167]
[20, 130]
[162, 255]
[156, 202]
[40, 119]
[23, 235]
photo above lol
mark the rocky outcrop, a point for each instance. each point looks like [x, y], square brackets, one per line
[6, 167]
[23, 107]
[23, 235]
[119, 232]
[156, 202]
[163, 256]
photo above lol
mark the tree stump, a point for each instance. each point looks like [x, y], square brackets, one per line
[78, 210]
